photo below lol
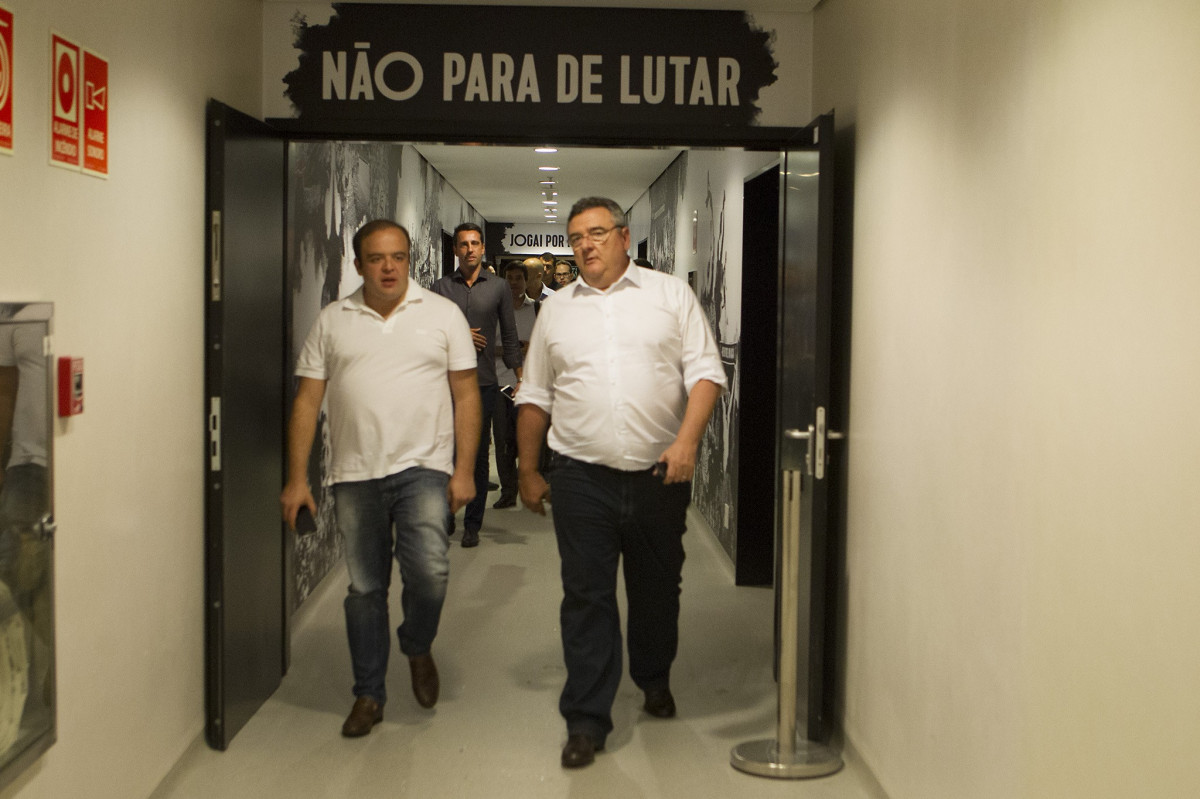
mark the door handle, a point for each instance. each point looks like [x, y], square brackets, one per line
[797, 434]
[817, 435]
[46, 527]
[824, 434]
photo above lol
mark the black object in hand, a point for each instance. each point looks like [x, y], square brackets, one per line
[305, 523]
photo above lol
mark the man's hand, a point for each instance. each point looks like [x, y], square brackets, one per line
[680, 462]
[680, 458]
[534, 491]
[479, 339]
[460, 490]
[293, 497]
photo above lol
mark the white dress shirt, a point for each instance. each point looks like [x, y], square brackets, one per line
[614, 368]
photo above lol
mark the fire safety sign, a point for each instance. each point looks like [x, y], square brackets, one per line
[65, 102]
[6, 81]
[95, 114]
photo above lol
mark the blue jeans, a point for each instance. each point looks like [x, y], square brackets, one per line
[602, 516]
[404, 515]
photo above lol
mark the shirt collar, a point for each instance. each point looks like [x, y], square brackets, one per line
[484, 274]
[414, 293]
[632, 274]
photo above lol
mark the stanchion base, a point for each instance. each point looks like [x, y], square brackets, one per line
[762, 758]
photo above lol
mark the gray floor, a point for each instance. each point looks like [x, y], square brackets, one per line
[496, 731]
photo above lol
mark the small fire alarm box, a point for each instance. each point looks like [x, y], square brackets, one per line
[70, 386]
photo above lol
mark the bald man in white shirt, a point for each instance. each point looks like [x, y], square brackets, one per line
[625, 364]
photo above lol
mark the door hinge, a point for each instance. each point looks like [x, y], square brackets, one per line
[214, 434]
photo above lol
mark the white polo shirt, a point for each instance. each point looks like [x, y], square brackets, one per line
[388, 393]
[614, 368]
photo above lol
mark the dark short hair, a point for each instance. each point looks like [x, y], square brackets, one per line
[588, 203]
[373, 227]
[468, 226]
[515, 266]
[547, 254]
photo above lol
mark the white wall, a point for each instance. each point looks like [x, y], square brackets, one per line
[1024, 529]
[122, 259]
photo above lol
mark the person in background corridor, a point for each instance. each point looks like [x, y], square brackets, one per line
[484, 300]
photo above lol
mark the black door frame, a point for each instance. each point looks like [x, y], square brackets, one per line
[245, 547]
[769, 139]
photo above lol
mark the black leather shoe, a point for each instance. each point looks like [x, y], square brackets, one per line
[425, 682]
[365, 714]
[580, 751]
[470, 538]
[660, 703]
[505, 501]
[493, 486]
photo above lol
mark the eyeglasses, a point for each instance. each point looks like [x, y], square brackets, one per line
[597, 235]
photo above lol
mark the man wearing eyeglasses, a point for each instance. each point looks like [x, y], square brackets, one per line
[626, 365]
[562, 275]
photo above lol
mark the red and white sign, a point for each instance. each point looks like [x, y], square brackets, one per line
[65, 102]
[6, 81]
[95, 114]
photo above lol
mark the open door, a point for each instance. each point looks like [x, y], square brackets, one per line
[245, 542]
[806, 420]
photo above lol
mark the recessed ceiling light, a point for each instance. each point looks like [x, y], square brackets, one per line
[546, 150]
[546, 183]
[549, 202]
[548, 168]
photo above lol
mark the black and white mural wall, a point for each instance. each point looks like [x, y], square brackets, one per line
[334, 187]
[666, 197]
[695, 225]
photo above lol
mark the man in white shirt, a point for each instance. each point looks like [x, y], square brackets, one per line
[626, 364]
[390, 358]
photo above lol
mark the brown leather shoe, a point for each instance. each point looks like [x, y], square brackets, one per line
[365, 714]
[580, 751]
[424, 679]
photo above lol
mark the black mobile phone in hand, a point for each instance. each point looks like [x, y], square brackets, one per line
[305, 523]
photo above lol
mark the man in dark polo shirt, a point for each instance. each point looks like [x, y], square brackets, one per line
[485, 300]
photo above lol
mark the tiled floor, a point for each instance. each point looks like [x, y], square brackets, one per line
[496, 731]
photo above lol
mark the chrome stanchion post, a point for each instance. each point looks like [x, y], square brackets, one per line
[787, 755]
